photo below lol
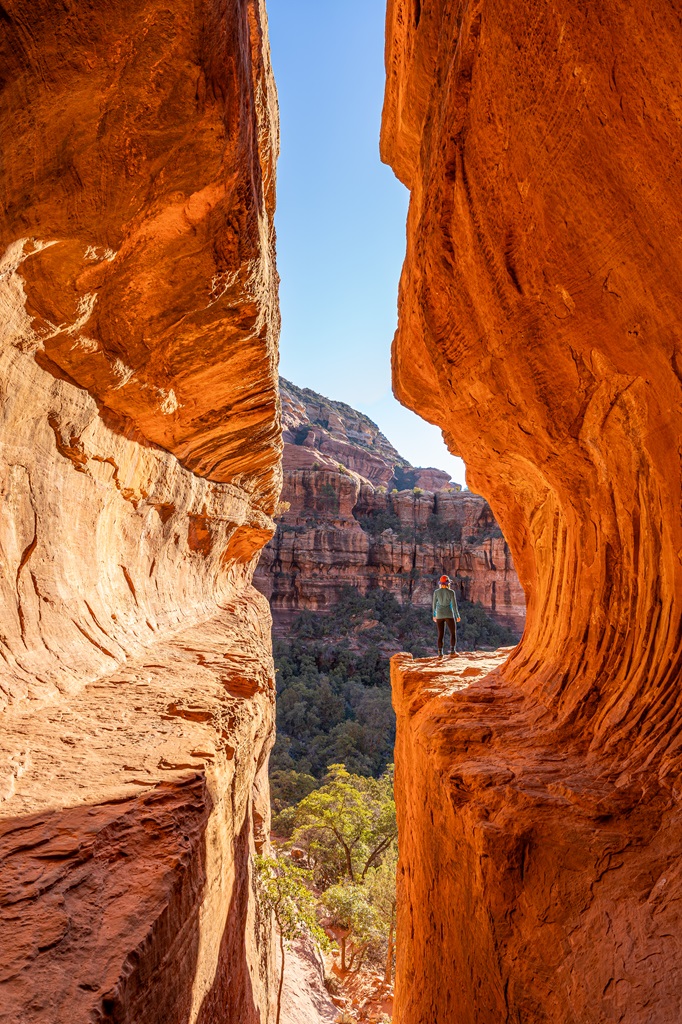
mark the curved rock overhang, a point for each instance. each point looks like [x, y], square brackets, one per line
[540, 305]
[140, 457]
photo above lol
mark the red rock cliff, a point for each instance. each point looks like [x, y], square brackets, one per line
[348, 523]
[539, 312]
[139, 468]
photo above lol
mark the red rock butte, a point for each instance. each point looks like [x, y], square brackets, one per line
[540, 311]
[356, 513]
[141, 447]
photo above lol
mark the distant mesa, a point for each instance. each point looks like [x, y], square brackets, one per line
[319, 433]
[355, 512]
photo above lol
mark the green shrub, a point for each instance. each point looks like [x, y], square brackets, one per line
[288, 787]
[488, 532]
[284, 822]
[329, 498]
[442, 533]
[377, 522]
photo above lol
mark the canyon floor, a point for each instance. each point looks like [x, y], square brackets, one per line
[421, 684]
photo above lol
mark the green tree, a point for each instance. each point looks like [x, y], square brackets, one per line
[380, 884]
[289, 787]
[353, 919]
[283, 890]
[350, 815]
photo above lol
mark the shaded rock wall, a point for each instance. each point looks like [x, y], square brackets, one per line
[530, 886]
[539, 311]
[348, 523]
[139, 467]
[130, 811]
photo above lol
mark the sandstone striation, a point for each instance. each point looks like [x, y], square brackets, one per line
[139, 467]
[349, 524]
[529, 884]
[539, 311]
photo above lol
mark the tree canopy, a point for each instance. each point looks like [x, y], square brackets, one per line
[347, 824]
[345, 834]
[334, 702]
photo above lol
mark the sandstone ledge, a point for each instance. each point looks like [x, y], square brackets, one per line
[126, 821]
[543, 884]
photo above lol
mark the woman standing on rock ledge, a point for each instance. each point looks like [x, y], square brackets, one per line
[445, 610]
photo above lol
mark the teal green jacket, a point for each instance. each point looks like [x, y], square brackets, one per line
[445, 604]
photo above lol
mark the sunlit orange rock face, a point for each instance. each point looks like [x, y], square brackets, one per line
[139, 467]
[539, 325]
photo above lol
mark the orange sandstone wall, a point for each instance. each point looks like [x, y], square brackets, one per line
[539, 326]
[139, 467]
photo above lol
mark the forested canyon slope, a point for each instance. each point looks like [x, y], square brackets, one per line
[140, 447]
[360, 515]
[540, 303]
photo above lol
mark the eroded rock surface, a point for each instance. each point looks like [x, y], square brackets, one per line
[539, 312]
[355, 519]
[318, 431]
[130, 814]
[139, 466]
[530, 884]
[138, 191]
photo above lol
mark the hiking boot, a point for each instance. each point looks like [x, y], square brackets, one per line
[452, 651]
[440, 653]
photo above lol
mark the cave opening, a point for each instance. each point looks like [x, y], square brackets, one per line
[364, 530]
[536, 784]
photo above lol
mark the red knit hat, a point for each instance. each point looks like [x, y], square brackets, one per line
[444, 579]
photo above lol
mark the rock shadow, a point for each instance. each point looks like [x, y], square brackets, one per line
[100, 913]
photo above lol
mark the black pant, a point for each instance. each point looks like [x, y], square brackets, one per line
[441, 632]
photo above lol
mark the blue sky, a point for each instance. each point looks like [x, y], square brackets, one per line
[341, 216]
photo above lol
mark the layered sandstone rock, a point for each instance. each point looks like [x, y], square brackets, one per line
[348, 523]
[139, 468]
[538, 313]
[531, 886]
[318, 432]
